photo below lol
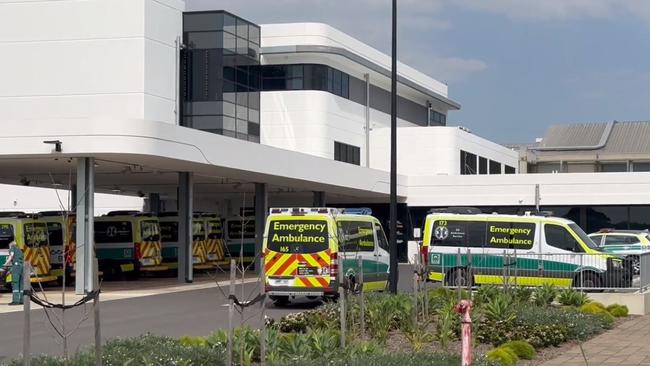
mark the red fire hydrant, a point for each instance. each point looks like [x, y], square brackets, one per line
[463, 308]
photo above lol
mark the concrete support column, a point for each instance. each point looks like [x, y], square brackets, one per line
[319, 199]
[73, 198]
[85, 192]
[261, 212]
[185, 198]
[154, 203]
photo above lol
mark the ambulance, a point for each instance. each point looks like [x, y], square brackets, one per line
[215, 245]
[309, 251]
[61, 226]
[170, 241]
[466, 248]
[31, 237]
[127, 243]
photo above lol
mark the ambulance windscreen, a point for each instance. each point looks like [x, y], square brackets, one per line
[298, 236]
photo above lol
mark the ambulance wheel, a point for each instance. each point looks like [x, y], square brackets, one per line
[587, 280]
[280, 300]
[458, 277]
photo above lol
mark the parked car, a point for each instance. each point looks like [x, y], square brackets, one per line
[631, 243]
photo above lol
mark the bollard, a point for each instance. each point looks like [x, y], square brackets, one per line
[463, 308]
[27, 323]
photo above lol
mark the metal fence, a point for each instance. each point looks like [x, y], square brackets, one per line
[515, 268]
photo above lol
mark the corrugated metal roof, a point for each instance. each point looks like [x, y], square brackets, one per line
[629, 137]
[580, 134]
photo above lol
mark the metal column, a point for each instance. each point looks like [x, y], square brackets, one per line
[185, 210]
[154, 203]
[261, 211]
[319, 199]
[85, 194]
[367, 126]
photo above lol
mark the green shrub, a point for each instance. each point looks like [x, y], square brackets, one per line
[501, 356]
[512, 353]
[522, 349]
[618, 311]
[522, 294]
[545, 294]
[386, 359]
[192, 341]
[571, 297]
[485, 293]
[596, 309]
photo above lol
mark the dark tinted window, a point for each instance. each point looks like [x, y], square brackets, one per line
[169, 231]
[235, 229]
[482, 165]
[214, 230]
[35, 234]
[495, 167]
[559, 237]
[150, 230]
[55, 233]
[113, 232]
[510, 169]
[347, 153]
[299, 236]
[357, 236]
[467, 163]
[457, 233]
[6, 235]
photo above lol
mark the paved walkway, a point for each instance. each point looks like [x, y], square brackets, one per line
[626, 345]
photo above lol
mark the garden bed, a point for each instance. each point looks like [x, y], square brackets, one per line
[508, 325]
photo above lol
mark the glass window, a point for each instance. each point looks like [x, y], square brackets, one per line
[613, 167]
[559, 237]
[482, 165]
[229, 43]
[169, 231]
[214, 229]
[299, 236]
[358, 236]
[612, 239]
[202, 40]
[495, 167]
[347, 153]
[452, 233]
[253, 129]
[6, 235]
[583, 236]
[234, 228]
[230, 24]
[203, 21]
[345, 86]
[254, 116]
[254, 34]
[229, 123]
[597, 239]
[641, 167]
[150, 230]
[606, 217]
[510, 170]
[55, 233]
[467, 163]
[381, 237]
[242, 126]
[242, 29]
[35, 234]
[242, 46]
[639, 217]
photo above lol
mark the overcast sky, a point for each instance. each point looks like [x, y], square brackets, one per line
[515, 66]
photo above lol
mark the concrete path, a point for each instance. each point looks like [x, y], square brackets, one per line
[626, 345]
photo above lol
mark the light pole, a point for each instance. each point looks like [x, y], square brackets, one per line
[393, 277]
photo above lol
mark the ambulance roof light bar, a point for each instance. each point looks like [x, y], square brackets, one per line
[300, 211]
[357, 211]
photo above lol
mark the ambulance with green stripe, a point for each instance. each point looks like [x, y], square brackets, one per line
[128, 243]
[304, 247]
[170, 241]
[530, 250]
